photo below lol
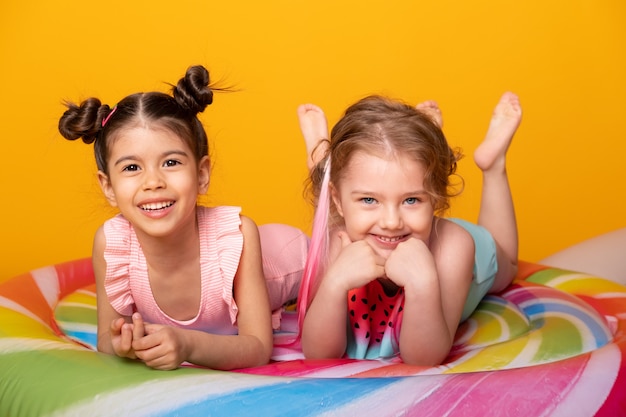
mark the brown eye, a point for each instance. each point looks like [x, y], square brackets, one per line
[131, 168]
[171, 163]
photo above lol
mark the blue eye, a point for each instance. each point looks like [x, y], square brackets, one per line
[368, 200]
[411, 201]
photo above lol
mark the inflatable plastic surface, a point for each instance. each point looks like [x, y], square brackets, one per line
[552, 344]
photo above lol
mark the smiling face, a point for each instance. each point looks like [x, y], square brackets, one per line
[154, 179]
[382, 200]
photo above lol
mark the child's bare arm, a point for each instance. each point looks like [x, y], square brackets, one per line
[435, 288]
[115, 332]
[252, 346]
[324, 332]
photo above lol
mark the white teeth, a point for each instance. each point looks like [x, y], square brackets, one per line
[390, 239]
[156, 206]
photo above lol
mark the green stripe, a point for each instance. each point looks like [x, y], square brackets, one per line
[37, 383]
[514, 319]
[75, 314]
[560, 339]
[545, 276]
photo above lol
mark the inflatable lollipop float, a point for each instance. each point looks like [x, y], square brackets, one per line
[552, 344]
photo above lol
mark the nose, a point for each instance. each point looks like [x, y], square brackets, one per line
[153, 179]
[391, 218]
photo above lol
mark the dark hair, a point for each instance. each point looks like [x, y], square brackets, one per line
[379, 125]
[98, 123]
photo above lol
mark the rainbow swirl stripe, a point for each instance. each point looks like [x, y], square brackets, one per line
[553, 344]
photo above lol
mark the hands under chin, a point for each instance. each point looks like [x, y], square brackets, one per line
[409, 261]
[356, 264]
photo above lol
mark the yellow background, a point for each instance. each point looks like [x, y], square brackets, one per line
[565, 59]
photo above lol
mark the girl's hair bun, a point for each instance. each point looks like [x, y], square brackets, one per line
[192, 92]
[83, 121]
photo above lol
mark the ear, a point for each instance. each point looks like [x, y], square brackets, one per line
[107, 189]
[334, 194]
[204, 175]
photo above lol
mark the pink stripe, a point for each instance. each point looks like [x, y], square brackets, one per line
[522, 392]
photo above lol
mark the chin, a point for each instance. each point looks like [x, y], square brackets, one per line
[383, 252]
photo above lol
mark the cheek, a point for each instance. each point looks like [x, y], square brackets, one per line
[357, 222]
[185, 182]
[122, 190]
[423, 225]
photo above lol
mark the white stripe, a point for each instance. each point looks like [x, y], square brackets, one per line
[18, 308]
[80, 327]
[523, 359]
[165, 395]
[450, 367]
[606, 295]
[472, 327]
[376, 404]
[596, 381]
[19, 344]
[346, 370]
[76, 304]
[48, 282]
[556, 281]
[85, 292]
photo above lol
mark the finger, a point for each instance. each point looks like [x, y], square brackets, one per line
[139, 327]
[116, 326]
[345, 239]
[149, 340]
[153, 357]
[143, 354]
[150, 328]
[126, 338]
[161, 365]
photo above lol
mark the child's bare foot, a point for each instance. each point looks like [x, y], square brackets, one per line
[431, 109]
[314, 128]
[507, 116]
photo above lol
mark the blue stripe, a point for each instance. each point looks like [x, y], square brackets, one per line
[599, 331]
[300, 397]
[90, 338]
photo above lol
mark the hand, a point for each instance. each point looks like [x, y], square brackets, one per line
[411, 262]
[122, 338]
[123, 334]
[356, 265]
[162, 347]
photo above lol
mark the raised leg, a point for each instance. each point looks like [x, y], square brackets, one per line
[497, 213]
[314, 128]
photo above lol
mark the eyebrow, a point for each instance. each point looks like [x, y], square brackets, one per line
[134, 158]
[411, 193]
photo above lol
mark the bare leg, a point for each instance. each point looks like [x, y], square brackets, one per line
[314, 128]
[431, 109]
[497, 213]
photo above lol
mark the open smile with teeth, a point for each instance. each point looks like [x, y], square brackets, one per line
[156, 206]
[390, 239]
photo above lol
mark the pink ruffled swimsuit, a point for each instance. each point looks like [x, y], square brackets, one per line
[128, 286]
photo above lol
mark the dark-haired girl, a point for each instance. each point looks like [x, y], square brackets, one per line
[178, 282]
